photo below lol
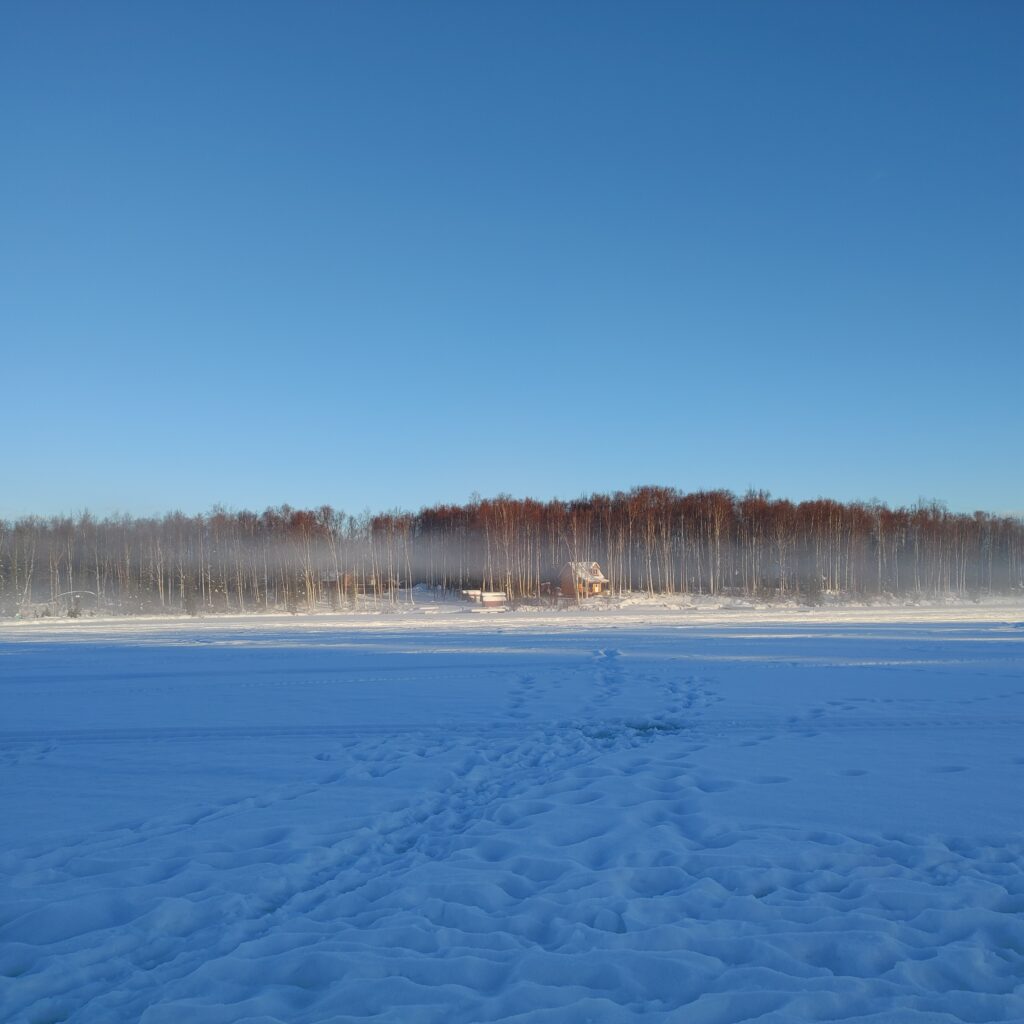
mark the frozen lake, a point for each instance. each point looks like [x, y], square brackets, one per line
[467, 818]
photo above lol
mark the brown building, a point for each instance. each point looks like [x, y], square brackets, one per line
[584, 579]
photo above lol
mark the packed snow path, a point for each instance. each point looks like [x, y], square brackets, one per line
[766, 823]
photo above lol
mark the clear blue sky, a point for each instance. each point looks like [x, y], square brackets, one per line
[388, 254]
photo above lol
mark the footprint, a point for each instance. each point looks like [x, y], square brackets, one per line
[853, 772]
[945, 769]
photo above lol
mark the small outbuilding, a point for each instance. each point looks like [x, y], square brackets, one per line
[488, 598]
[584, 579]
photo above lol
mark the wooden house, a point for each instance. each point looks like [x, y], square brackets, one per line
[584, 579]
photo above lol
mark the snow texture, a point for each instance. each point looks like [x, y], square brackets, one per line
[460, 817]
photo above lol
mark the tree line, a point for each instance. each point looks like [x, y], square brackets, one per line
[654, 540]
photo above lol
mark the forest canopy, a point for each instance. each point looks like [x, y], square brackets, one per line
[649, 539]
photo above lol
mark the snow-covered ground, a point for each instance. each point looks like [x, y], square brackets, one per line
[610, 814]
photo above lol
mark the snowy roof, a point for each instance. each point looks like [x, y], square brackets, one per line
[588, 572]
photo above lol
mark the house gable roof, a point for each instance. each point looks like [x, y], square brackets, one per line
[587, 572]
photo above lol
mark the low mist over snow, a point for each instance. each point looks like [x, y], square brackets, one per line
[652, 540]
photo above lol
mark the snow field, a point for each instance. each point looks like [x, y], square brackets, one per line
[475, 820]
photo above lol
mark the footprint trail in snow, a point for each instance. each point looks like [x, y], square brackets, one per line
[718, 825]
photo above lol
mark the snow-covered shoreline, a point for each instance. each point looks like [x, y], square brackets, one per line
[633, 611]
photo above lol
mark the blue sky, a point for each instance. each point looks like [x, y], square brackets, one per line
[389, 254]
